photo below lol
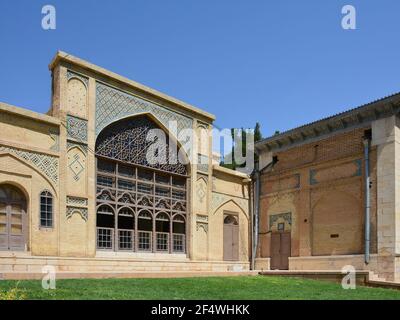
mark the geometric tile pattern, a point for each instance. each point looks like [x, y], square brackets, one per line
[77, 128]
[46, 164]
[75, 201]
[275, 217]
[76, 167]
[202, 163]
[83, 212]
[202, 222]
[127, 141]
[113, 104]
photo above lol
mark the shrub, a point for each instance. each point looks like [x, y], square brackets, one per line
[13, 294]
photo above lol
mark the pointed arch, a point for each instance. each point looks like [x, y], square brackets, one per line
[236, 204]
[23, 161]
[152, 123]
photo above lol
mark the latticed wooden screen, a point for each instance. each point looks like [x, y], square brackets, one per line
[140, 206]
[127, 140]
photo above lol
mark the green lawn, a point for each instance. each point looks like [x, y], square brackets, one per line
[246, 287]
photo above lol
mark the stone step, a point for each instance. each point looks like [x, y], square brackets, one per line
[123, 275]
[11, 263]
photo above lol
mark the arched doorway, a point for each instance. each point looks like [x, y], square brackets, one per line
[141, 203]
[13, 219]
[231, 237]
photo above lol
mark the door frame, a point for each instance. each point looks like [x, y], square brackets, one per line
[236, 216]
[24, 217]
[281, 265]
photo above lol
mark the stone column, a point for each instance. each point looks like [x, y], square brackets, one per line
[386, 136]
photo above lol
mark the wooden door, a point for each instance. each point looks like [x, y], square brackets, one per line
[13, 219]
[231, 238]
[280, 250]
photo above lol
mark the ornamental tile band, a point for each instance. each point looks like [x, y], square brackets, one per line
[113, 104]
[46, 164]
[77, 128]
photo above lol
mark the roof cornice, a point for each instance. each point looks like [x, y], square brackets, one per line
[63, 56]
[348, 120]
[29, 114]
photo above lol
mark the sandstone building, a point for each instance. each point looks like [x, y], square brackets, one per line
[330, 193]
[77, 191]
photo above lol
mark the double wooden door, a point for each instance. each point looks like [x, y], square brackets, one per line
[13, 219]
[280, 250]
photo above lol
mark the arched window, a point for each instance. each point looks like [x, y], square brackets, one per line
[145, 228]
[46, 209]
[178, 233]
[136, 198]
[162, 232]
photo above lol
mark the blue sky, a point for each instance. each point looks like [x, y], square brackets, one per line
[282, 63]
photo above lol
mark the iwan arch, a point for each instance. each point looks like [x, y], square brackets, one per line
[77, 191]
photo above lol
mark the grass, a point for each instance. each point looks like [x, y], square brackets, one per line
[236, 288]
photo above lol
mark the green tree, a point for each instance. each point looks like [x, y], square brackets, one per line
[245, 134]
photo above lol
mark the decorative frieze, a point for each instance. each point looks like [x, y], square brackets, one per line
[287, 217]
[46, 164]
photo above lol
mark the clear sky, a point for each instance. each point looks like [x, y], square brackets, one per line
[282, 63]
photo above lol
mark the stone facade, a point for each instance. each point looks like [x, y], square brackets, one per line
[313, 185]
[55, 152]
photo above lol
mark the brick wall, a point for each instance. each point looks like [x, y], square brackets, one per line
[322, 185]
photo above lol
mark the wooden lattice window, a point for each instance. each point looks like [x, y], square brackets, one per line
[141, 206]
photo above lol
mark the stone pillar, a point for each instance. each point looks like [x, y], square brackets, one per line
[386, 136]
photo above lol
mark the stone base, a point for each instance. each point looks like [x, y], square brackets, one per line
[262, 264]
[24, 263]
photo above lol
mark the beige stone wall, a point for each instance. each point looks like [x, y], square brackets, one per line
[386, 138]
[74, 231]
[29, 157]
[17, 130]
[15, 171]
[229, 196]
